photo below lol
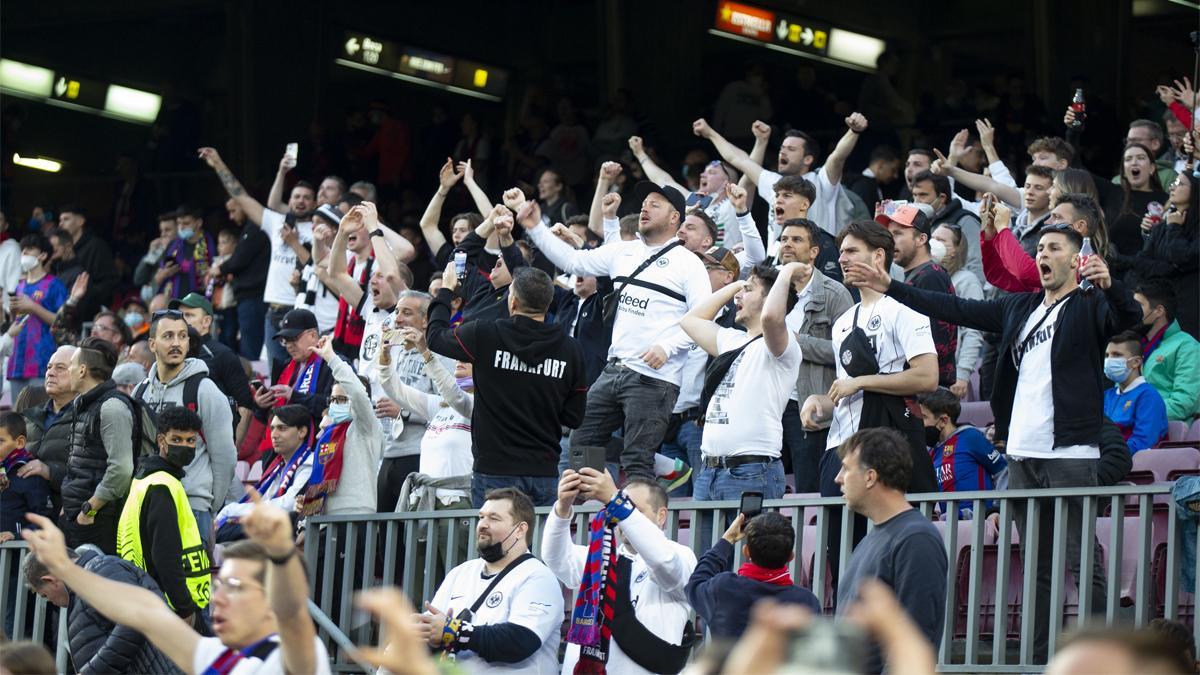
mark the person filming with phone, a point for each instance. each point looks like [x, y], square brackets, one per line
[631, 615]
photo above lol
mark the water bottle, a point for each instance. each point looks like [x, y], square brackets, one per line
[460, 265]
[1085, 252]
[1079, 107]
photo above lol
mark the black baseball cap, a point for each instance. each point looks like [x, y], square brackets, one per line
[645, 187]
[296, 322]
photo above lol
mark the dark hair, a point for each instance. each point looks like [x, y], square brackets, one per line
[1151, 650]
[30, 397]
[942, 401]
[884, 451]
[341, 182]
[189, 210]
[122, 328]
[533, 289]
[941, 184]
[1159, 292]
[578, 219]
[26, 658]
[658, 495]
[884, 153]
[168, 215]
[957, 261]
[1061, 149]
[61, 235]
[521, 505]
[709, 224]
[305, 185]
[351, 199]
[811, 146]
[1086, 209]
[473, 219]
[814, 230]
[558, 175]
[73, 208]
[157, 318]
[1155, 130]
[178, 418]
[230, 232]
[293, 415]
[37, 241]
[1126, 188]
[923, 152]
[246, 549]
[1040, 172]
[873, 235]
[770, 538]
[1067, 231]
[1177, 634]
[405, 273]
[1128, 337]
[100, 357]
[13, 423]
[799, 186]
[769, 274]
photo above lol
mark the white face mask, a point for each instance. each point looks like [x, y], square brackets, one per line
[937, 250]
[28, 262]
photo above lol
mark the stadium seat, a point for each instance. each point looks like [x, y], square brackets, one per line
[1176, 430]
[977, 414]
[1186, 601]
[973, 393]
[1193, 433]
[1161, 462]
[987, 592]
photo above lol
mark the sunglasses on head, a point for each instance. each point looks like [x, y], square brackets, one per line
[167, 313]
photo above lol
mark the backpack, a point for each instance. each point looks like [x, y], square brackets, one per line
[207, 356]
[191, 396]
[145, 425]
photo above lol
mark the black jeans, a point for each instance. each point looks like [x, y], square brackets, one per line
[805, 449]
[392, 474]
[102, 533]
[642, 403]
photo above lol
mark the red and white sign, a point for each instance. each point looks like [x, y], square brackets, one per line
[747, 21]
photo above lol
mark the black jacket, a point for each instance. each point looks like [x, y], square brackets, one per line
[1172, 253]
[161, 540]
[529, 383]
[723, 598]
[316, 402]
[249, 263]
[483, 300]
[1081, 334]
[51, 445]
[96, 258]
[225, 370]
[89, 458]
[101, 646]
[1115, 458]
[592, 332]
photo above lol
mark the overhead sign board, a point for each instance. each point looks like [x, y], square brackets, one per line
[772, 27]
[423, 66]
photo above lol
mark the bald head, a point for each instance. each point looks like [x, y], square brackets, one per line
[58, 385]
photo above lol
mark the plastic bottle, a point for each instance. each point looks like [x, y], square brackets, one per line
[1085, 253]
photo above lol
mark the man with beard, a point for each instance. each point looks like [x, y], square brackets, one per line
[646, 609]
[178, 380]
[504, 607]
[288, 234]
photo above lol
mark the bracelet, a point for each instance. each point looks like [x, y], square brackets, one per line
[283, 559]
[377, 232]
[743, 214]
[450, 632]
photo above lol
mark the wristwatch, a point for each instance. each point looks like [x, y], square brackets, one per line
[89, 510]
[377, 232]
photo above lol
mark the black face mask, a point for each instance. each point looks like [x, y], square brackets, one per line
[933, 436]
[180, 455]
[1143, 329]
[495, 550]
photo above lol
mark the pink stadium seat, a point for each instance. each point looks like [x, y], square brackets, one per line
[973, 393]
[1186, 600]
[1193, 433]
[1160, 462]
[987, 592]
[976, 413]
[1176, 430]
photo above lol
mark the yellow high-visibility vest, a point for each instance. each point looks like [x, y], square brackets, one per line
[195, 563]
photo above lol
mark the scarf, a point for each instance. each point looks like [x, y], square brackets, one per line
[193, 260]
[778, 576]
[327, 470]
[302, 376]
[592, 617]
[288, 469]
[15, 460]
[1151, 342]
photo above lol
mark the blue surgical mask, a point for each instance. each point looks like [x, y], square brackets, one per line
[1116, 368]
[186, 234]
[339, 412]
[134, 319]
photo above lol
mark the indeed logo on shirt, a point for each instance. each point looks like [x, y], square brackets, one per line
[634, 305]
[548, 368]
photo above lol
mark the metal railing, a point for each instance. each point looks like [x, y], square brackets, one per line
[991, 584]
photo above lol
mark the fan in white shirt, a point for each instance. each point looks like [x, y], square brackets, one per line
[659, 569]
[258, 605]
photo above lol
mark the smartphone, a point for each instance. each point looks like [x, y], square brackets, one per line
[293, 151]
[751, 504]
[592, 456]
[257, 385]
[826, 646]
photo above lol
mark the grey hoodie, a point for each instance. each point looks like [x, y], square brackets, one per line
[210, 474]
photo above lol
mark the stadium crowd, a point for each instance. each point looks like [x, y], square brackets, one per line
[659, 342]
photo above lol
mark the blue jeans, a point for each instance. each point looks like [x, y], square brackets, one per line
[686, 446]
[251, 313]
[718, 484]
[275, 351]
[226, 321]
[543, 490]
[204, 521]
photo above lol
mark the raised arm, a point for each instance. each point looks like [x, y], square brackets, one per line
[334, 275]
[698, 322]
[124, 604]
[836, 162]
[653, 172]
[595, 262]
[252, 207]
[976, 181]
[447, 178]
[762, 137]
[275, 200]
[774, 311]
[477, 194]
[987, 139]
[728, 151]
[601, 199]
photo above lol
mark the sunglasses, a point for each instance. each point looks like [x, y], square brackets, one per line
[167, 313]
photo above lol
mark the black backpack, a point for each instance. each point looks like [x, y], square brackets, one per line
[191, 396]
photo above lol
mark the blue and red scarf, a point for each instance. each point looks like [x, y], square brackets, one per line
[278, 466]
[592, 617]
[15, 460]
[1151, 342]
[326, 471]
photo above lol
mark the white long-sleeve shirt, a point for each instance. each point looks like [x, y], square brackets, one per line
[660, 571]
[645, 317]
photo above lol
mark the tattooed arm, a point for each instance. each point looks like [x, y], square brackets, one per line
[252, 207]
